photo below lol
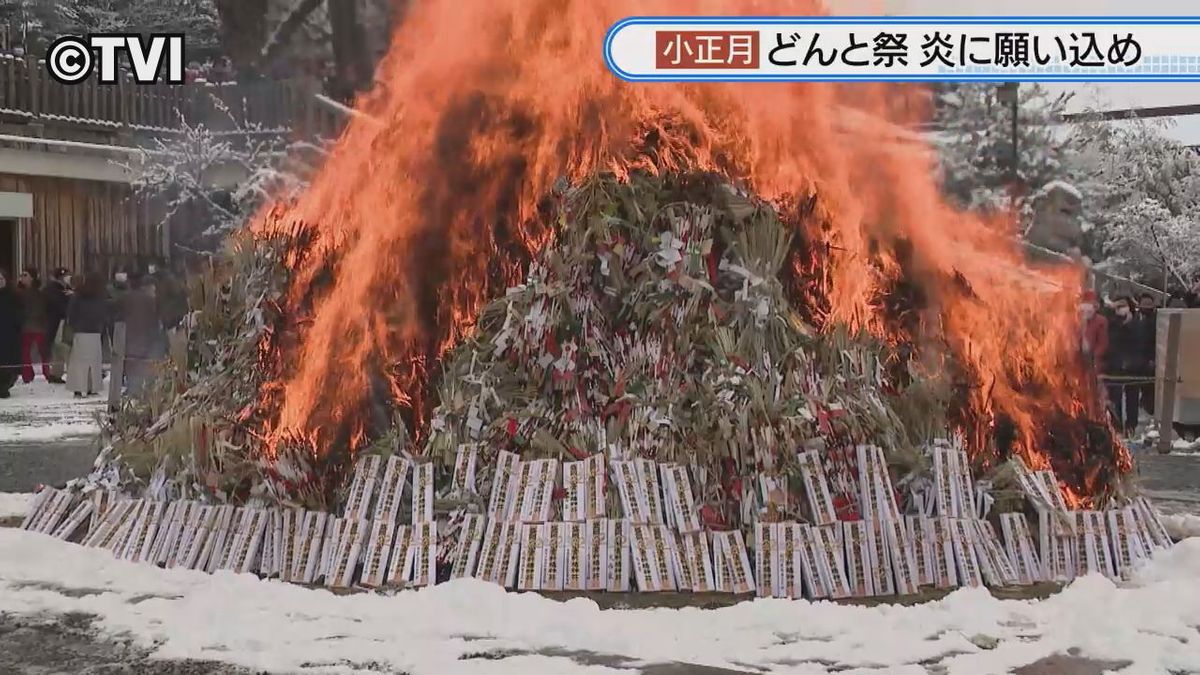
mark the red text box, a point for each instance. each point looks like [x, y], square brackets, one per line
[724, 50]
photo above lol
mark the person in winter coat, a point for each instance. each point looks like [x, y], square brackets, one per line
[1094, 341]
[1126, 357]
[58, 298]
[144, 339]
[117, 288]
[10, 335]
[1148, 314]
[1189, 298]
[33, 330]
[87, 316]
[172, 299]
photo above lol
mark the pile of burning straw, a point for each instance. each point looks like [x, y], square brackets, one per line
[659, 406]
[644, 326]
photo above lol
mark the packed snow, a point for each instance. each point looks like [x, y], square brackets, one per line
[277, 627]
[1185, 447]
[1179, 446]
[40, 412]
[14, 505]
[1181, 525]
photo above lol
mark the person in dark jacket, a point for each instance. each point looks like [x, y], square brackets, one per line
[172, 299]
[1147, 304]
[1094, 340]
[58, 297]
[144, 338]
[87, 316]
[1126, 358]
[1148, 315]
[10, 335]
[118, 286]
[33, 329]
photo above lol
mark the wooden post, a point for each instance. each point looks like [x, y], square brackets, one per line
[33, 66]
[96, 103]
[136, 94]
[70, 99]
[116, 377]
[1166, 406]
[8, 92]
[122, 111]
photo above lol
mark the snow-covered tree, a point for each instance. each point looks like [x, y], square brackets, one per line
[1148, 217]
[974, 133]
[26, 20]
[210, 181]
[280, 38]
[197, 19]
[41, 21]
[1140, 191]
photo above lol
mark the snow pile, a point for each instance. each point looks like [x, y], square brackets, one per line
[39, 412]
[14, 505]
[1185, 447]
[234, 619]
[1181, 525]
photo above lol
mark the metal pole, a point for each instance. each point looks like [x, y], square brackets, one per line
[1166, 406]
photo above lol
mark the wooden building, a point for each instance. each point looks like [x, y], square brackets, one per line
[66, 196]
[84, 225]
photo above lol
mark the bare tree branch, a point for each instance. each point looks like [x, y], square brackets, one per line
[288, 28]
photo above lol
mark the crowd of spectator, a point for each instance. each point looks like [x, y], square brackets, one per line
[63, 326]
[1120, 341]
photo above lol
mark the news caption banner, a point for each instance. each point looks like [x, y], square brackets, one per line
[905, 49]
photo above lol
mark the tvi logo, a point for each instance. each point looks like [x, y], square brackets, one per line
[154, 59]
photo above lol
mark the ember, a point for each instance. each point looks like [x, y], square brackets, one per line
[435, 202]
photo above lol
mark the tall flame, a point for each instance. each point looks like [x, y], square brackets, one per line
[428, 207]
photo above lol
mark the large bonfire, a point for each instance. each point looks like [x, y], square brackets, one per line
[430, 207]
[512, 256]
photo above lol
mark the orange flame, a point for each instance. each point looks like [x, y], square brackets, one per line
[428, 205]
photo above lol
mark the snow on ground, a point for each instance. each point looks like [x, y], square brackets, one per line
[1147, 441]
[1184, 447]
[14, 505]
[39, 412]
[278, 627]
[1181, 525]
